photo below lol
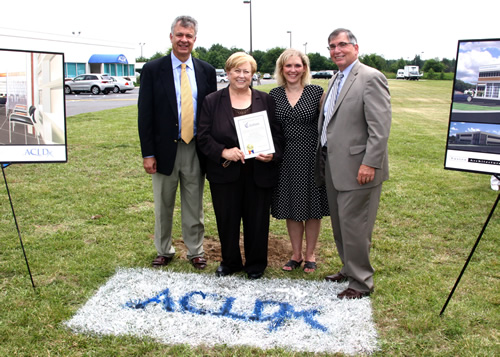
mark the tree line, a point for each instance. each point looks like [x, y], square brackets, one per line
[266, 60]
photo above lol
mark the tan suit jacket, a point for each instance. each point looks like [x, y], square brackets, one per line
[359, 129]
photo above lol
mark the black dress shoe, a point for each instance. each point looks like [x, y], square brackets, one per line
[161, 261]
[254, 276]
[352, 294]
[199, 263]
[223, 271]
[336, 278]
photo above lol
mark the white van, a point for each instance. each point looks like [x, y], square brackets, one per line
[400, 74]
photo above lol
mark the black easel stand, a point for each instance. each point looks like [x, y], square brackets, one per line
[17, 226]
[470, 255]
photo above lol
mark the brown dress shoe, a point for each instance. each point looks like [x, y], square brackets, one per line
[352, 294]
[161, 261]
[199, 263]
[336, 278]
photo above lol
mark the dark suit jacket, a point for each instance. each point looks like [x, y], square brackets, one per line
[359, 129]
[217, 131]
[158, 115]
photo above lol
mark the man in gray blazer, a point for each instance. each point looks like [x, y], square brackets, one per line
[354, 125]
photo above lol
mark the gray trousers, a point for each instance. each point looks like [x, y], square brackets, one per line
[186, 174]
[353, 215]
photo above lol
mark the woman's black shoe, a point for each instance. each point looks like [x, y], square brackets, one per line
[223, 271]
[254, 276]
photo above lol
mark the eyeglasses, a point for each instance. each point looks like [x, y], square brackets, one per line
[341, 46]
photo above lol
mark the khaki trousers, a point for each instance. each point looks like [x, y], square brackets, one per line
[186, 174]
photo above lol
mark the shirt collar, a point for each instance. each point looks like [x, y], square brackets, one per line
[348, 69]
[177, 62]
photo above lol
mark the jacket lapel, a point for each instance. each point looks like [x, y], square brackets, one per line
[226, 104]
[347, 84]
[167, 77]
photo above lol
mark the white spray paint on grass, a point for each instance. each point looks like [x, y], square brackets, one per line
[201, 309]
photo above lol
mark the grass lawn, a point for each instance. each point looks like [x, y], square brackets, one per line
[82, 220]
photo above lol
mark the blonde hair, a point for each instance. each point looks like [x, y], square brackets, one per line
[280, 63]
[237, 59]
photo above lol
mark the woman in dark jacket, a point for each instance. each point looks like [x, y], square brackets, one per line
[241, 187]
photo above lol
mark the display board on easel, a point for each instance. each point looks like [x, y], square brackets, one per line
[32, 113]
[473, 140]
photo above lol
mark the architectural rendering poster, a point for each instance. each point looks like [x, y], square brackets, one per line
[473, 142]
[32, 107]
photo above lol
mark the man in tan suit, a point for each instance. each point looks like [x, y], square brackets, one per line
[352, 161]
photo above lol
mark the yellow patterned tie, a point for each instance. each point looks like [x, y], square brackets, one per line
[187, 114]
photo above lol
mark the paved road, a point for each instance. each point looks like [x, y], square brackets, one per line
[86, 102]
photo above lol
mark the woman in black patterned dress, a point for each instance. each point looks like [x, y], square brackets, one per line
[297, 198]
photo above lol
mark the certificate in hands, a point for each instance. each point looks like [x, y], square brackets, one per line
[254, 134]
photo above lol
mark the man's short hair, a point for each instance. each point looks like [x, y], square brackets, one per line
[185, 21]
[350, 35]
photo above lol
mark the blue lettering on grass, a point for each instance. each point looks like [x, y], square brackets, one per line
[284, 311]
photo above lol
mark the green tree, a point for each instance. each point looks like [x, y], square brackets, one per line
[433, 64]
[157, 55]
[319, 62]
[216, 59]
[449, 65]
[400, 64]
[202, 52]
[461, 86]
[417, 61]
[269, 59]
[258, 55]
[373, 60]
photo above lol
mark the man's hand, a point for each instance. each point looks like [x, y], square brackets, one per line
[365, 174]
[150, 165]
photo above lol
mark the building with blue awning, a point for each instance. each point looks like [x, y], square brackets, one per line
[112, 64]
[81, 55]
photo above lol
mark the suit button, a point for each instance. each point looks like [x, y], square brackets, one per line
[175, 141]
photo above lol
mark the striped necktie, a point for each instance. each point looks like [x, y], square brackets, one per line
[329, 113]
[187, 113]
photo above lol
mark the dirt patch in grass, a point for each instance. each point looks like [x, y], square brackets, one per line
[279, 250]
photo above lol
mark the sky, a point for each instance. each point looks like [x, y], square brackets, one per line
[390, 28]
[472, 55]
[459, 127]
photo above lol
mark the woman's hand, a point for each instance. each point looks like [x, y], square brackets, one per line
[233, 154]
[264, 157]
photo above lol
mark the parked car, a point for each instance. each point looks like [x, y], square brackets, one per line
[222, 78]
[89, 82]
[266, 76]
[462, 97]
[323, 74]
[400, 74]
[122, 84]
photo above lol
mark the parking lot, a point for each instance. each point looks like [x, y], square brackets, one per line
[86, 102]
